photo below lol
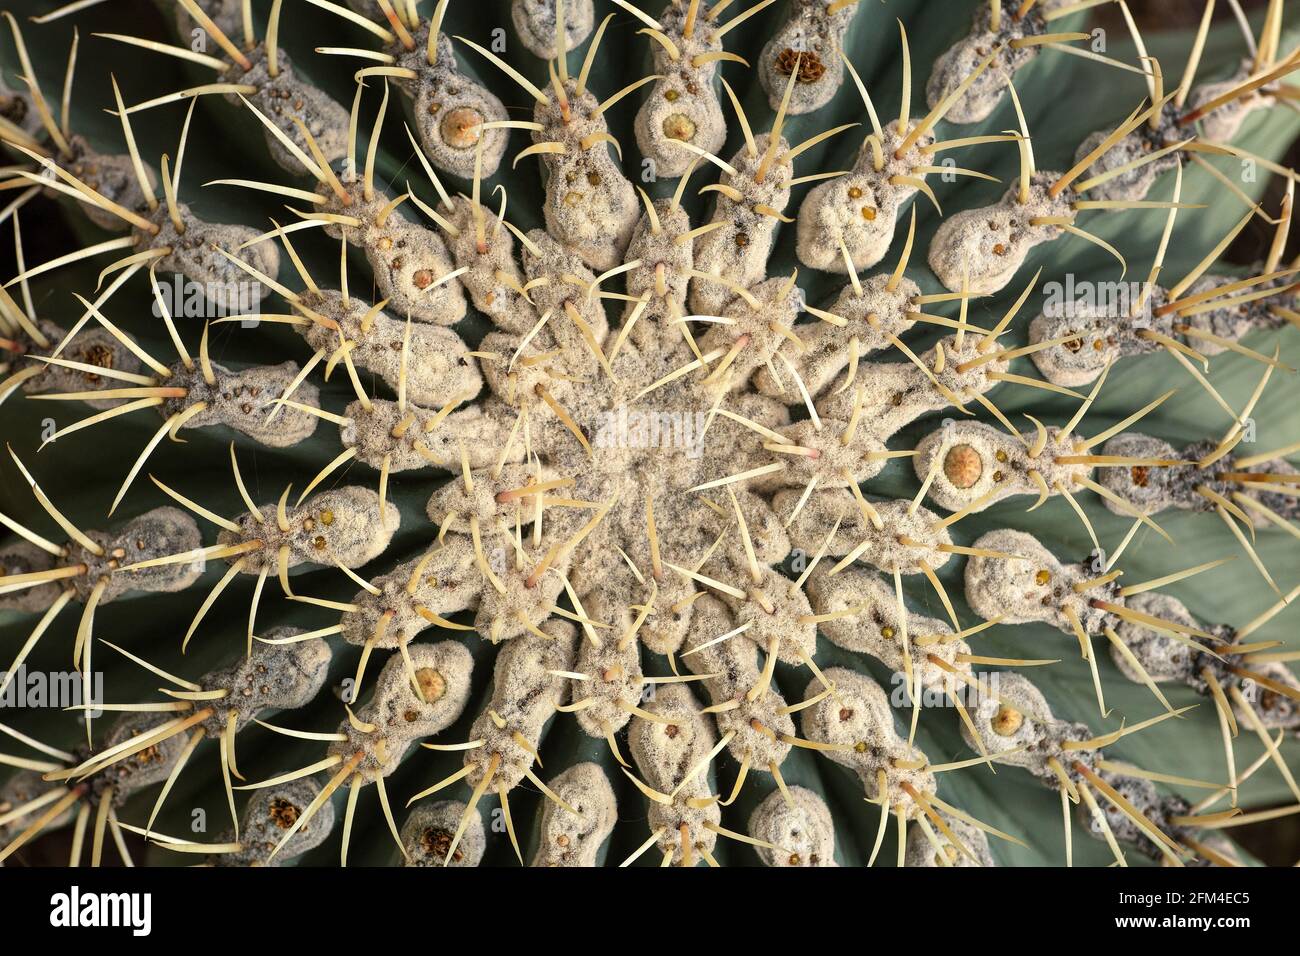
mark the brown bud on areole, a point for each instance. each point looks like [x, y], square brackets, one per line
[810, 39]
[268, 815]
[96, 347]
[428, 832]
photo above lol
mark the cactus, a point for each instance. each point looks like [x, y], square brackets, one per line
[622, 461]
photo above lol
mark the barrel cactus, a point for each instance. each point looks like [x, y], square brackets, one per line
[539, 442]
